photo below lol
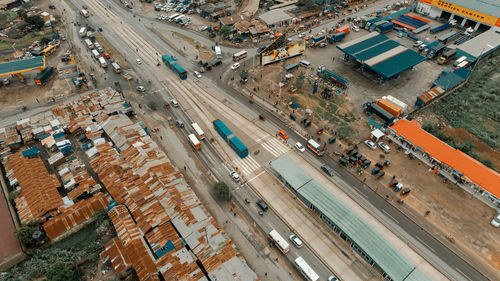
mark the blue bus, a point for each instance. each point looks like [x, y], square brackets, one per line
[232, 140]
[174, 66]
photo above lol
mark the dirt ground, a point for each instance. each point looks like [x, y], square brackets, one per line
[453, 210]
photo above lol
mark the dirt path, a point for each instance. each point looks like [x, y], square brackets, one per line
[251, 8]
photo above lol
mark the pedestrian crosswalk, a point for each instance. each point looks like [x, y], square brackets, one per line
[274, 146]
[247, 165]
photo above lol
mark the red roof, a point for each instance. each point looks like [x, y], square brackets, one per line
[470, 167]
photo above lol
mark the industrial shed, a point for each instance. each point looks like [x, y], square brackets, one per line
[384, 56]
[364, 240]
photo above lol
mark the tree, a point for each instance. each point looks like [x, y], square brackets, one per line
[305, 4]
[22, 14]
[36, 21]
[25, 232]
[60, 272]
[225, 31]
[222, 190]
[152, 105]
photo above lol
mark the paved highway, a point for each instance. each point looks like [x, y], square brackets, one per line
[144, 44]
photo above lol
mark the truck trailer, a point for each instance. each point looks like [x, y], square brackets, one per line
[336, 37]
[43, 77]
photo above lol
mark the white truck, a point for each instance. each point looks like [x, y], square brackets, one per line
[95, 53]
[83, 32]
[218, 52]
[116, 67]
[103, 62]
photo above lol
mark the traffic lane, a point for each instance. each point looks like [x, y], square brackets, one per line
[410, 227]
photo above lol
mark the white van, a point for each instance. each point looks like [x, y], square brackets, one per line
[103, 63]
[305, 63]
[83, 32]
[174, 103]
[218, 52]
[95, 53]
[459, 61]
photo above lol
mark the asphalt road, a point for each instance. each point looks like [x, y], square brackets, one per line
[404, 227]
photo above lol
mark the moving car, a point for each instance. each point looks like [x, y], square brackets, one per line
[384, 147]
[370, 144]
[333, 278]
[235, 65]
[300, 147]
[179, 123]
[355, 28]
[197, 74]
[262, 205]
[322, 45]
[296, 240]
[139, 61]
[327, 169]
[302, 34]
[141, 88]
[235, 176]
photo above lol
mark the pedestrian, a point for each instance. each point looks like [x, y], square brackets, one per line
[265, 274]
[184, 168]
[161, 137]
[235, 214]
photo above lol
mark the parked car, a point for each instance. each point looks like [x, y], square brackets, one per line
[384, 147]
[496, 221]
[302, 34]
[262, 205]
[174, 103]
[300, 147]
[370, 144]
[139, 61]
[322, 45]
[235, 65]
[235, 176]
[355, 28]
[405, 191]
[327, 169]
[296, 240]
[197, 74]
[417, 43]
[333, 278]
[141, 89]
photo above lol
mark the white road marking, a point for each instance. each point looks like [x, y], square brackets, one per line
[420, 240]
[275, 147]
[390, 216]
[246, 165]
[258, 175]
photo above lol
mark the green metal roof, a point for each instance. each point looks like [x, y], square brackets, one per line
[361, 233]
[295, 176]
[20, 65]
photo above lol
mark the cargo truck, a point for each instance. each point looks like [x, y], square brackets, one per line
[116, 67]
[336, 37]
[318, 39]
[386, 27]
[43, 77]
[435, 50]
[103, 63]
[329, 75]
[447, 56]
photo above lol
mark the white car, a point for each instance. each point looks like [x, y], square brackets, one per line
[235, 65]
[139, 61]
[302, 34]
[296, 240]
[417, 43]
[235, 176]
[141, 88]
[355, 28]
[370, 144]
[300, 147]
[197, 74]
[496, 221]
[384, 147]
[333, 278]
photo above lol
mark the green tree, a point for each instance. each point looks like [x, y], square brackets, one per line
[225, 31]
[22, 13]
[306, 4]
[35, 21]
[222, 190]
[25, 232]
[60, 272]
[152, 105]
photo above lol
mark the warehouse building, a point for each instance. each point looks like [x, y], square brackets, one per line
[480, 46]
[478, 14]
[364, 240]
[385, 57]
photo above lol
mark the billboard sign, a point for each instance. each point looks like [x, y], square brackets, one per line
[282, 53]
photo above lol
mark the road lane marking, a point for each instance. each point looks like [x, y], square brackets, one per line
[389, 215]
[256, 176]
[425, 244]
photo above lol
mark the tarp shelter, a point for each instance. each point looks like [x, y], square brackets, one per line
[20, 66]
[377, 134]
[474, 170]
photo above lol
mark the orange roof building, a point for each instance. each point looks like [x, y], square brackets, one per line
[465, 168]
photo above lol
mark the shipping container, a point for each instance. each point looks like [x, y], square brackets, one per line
[44, 76]
[429, 95]
[344, 29]
[397, 102]
[390, 107]
[382, 113]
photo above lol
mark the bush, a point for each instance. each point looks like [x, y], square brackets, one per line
[222, 190]
[152, 105]
[60, 272]
[24, 233]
